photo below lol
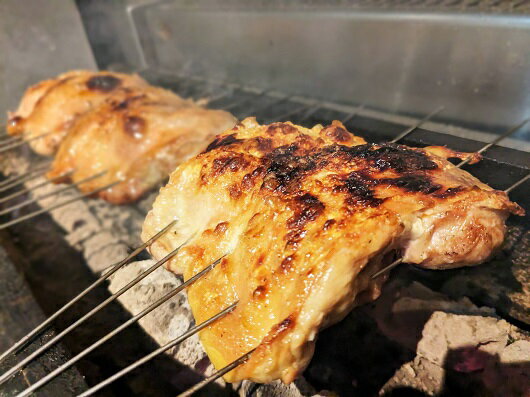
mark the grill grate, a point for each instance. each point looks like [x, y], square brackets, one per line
[272, 106]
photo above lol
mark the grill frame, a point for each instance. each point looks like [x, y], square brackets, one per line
[374, 129]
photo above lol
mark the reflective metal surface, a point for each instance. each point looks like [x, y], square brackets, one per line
[476, 65]
[38, 40]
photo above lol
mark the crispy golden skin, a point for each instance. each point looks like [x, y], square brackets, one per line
[305, 217]
[137, 136]
[49, 108]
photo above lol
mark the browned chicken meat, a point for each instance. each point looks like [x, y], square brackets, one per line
[136, 136]
[302, 218]
[48, 109]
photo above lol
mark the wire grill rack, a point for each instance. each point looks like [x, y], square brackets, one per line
[501, 168]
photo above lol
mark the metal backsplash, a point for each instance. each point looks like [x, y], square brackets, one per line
[407, 59]
[38, 40]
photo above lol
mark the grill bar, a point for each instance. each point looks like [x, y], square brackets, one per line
[55, 206]
[417, 124]
[66, 331]
[37, 186]
[352, 114]
[311, 108]
[13, 181]
[192, 331]
[50, 194]
[234, 364]
[12, 139]
[497, 140]
[517, 184]
[113, 269]
[132, 320]
[17, 144]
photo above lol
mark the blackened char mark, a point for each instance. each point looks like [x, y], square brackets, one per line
[231, 163]
[412, 183]
[358, 188]
[388, 156]
[222, 141]
[286, 169]
[103, 83]
[307, 209]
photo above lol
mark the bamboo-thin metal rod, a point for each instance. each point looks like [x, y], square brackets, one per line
[35, 187]
[240, 101]
[17, 144]
[81, 320]
[217, 375]
[311, 111]
[517, 184]
[132, 320]
[20, 178]
[400, 260]
[352, 114]
[495, 141]
[192, 331]
[44, 325]
[55, 206]
[11, 139]
[294, 111]
[50, 194]
[418, 124]
[387, 268]
[217, 97]
[259, 106]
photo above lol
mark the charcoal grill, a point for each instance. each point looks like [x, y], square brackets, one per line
[102, 235]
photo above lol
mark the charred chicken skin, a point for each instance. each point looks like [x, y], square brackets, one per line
[48, 109]
[136, 137]
[302, 218]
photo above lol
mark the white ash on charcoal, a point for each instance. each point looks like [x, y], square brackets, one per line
[459, 347]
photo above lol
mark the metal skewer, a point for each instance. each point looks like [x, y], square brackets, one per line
[55, 206]
[41, 327]
[418, 124]
[252, 110]
[352, 114]
[517, 184]
[26, 176]
[192, 331]
[81, 320]
[11, 139]
[218, 374]
[241, 101]
[46, 195]
[495, 141]
[297, 110]
[132, 320]
[37, 186]
[481, 150]
[17, 144]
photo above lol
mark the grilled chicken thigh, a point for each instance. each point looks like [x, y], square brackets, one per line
[137, 136]
[302, 218]
[49, 109]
